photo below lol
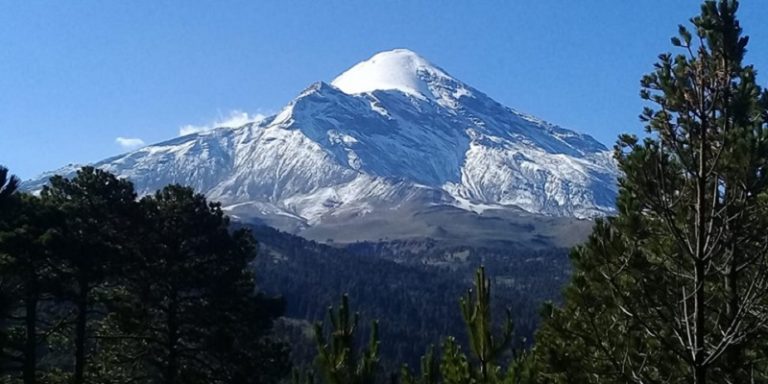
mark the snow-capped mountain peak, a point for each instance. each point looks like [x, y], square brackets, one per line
[393, 131]
[398, 69]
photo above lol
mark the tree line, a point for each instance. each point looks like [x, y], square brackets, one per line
[99, 286]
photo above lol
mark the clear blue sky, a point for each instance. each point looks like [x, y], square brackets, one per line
[75, 75]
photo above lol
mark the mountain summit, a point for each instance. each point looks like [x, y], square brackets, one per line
[393, 133]
[400, 69]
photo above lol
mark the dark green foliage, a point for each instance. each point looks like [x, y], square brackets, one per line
[97, 210]
[101, 288]
[200, 319]
[29, 275]
[302, 377]
[8, 186]
[338, 360]
[675, 288]
[429, 367]
[414, 298]
[477, 316]
[485, 365]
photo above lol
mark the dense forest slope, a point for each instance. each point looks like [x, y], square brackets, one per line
[411, 287]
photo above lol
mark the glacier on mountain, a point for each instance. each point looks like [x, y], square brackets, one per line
[391, 130]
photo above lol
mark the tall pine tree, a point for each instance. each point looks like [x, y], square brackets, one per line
[194, 308]
[8, 186]
[99, 211]
[674, 288]
[30, 276]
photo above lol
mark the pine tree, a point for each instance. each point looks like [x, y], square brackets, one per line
[674, 288]
[120, 291]
[191, 309]
[8, 186]
[98, 210]
[429, 369]
[338, 360]
[477, 316]
[28, 266]
[485, 365]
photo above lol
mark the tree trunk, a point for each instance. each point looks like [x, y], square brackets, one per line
[699, 370]
[700, 374]
[733, 359]
[80, 331]
[172, 366]
[30, 343]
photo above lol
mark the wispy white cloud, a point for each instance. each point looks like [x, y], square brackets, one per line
[235, 119]
[130, 142]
